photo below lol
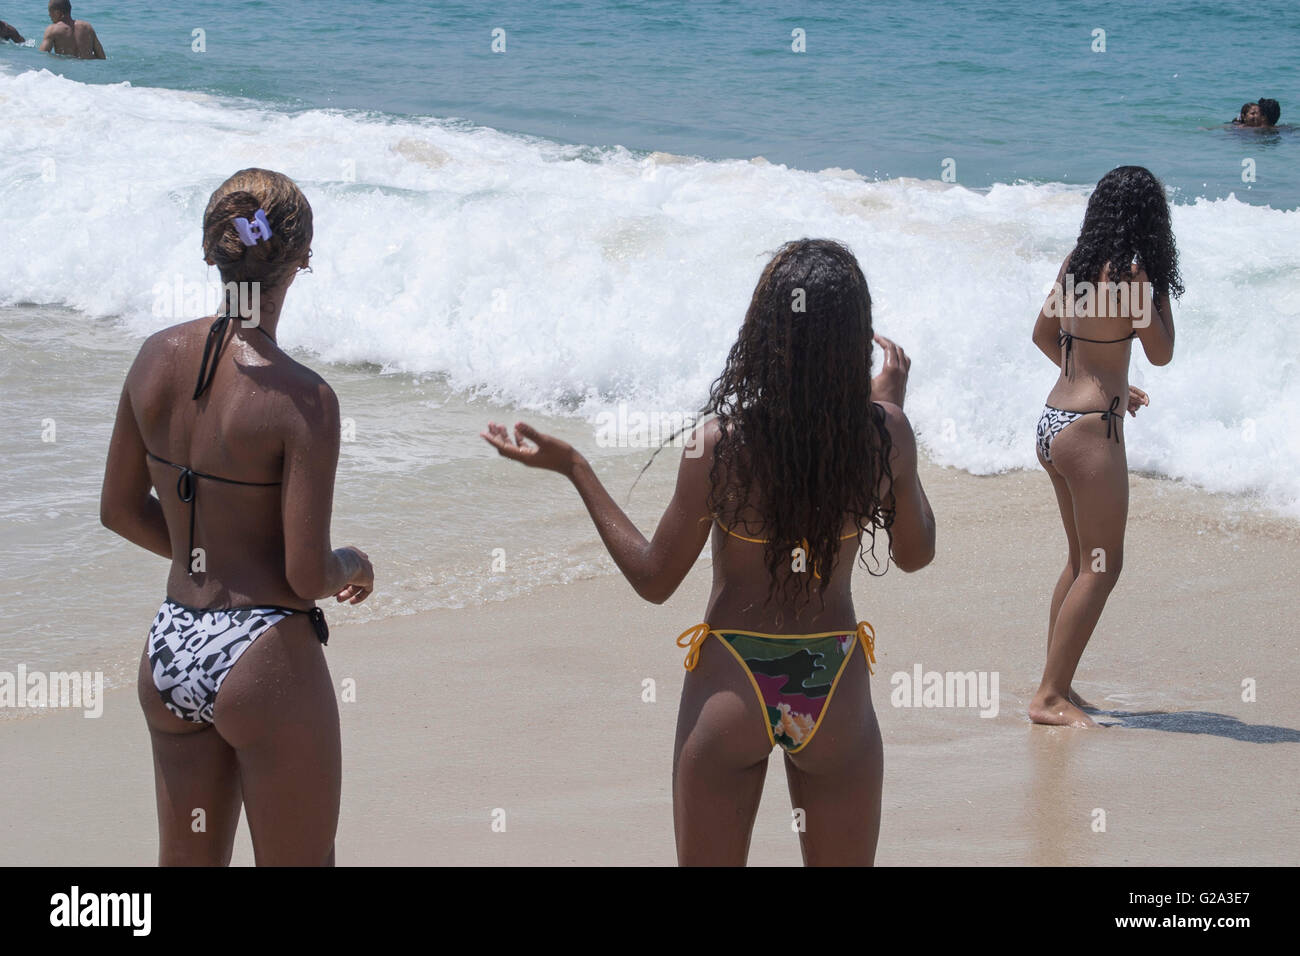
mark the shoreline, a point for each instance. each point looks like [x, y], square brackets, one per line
[1213, 512]
[545, 718]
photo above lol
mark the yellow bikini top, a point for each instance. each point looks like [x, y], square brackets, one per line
[804, 542]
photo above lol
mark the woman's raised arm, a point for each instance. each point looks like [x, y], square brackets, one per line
[656, 567]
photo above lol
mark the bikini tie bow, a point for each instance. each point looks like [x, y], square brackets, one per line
[251, 232]
[692, 637]
[1113, 415]
[867, 635]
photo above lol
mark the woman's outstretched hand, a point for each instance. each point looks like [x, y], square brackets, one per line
[545, 451]
[1136, 399]
[891, 384]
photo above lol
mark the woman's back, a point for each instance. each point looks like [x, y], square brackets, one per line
[1113, 287]
[233, 440]
[744, 593]
[1097, 330]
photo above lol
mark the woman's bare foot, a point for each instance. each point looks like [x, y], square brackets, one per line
[1055, 709]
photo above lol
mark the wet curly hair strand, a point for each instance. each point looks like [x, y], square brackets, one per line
[801, 445]
[1128, 221]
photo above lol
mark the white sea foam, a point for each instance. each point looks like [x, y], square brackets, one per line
[569, 279]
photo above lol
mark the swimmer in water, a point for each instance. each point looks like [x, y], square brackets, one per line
[69, 37]
[1262, 114]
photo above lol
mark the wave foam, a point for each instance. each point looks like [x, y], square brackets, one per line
[570, 278]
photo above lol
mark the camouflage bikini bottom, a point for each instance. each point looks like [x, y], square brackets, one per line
[794, 675]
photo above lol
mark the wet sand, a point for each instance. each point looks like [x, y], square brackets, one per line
[534, 706]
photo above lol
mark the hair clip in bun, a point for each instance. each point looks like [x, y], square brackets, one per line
[251, 232]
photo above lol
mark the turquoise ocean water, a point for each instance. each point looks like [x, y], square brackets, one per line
[1011, 91]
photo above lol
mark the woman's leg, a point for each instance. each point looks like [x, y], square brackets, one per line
[196, 782]
[1095, 469]
[719, 761]
[1071, 570]
[836, 779]
[277, 709]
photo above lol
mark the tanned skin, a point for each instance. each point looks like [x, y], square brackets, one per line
[273, 746]
[721, 753]
[1089, 473]
[68, 37]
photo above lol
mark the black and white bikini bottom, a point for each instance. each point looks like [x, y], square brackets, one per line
[191, 650]
[1053, 421]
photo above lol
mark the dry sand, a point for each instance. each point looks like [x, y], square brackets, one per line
[535, 706]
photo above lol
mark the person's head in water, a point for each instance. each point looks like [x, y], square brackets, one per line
[1128, 222]
[61, 11]
[802, 450]
[1263, 113]
[271, 262]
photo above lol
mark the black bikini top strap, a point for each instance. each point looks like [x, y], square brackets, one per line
[1066, 340]
[198, 474]
[211, 352]
[187, 490]
[1070, 335]
[186, 486]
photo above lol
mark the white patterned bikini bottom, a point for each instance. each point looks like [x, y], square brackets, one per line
[191, 650]
[1053, 421]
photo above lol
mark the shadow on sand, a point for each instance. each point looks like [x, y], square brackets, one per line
[1197, 722]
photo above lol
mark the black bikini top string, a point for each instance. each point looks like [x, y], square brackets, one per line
[211, 352]
[187, 491]
[186, 487]
[1065, 340]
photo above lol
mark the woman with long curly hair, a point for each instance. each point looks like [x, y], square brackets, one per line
[800, 455]
[1114, 286]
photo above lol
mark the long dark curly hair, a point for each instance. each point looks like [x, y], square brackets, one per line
[801, 444]
[1128, 221]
